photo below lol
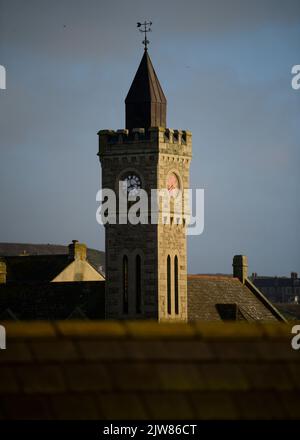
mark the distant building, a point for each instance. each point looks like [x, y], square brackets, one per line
[279, 289]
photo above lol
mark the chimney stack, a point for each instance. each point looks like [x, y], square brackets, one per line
[3, 271]
[240, 267]
[77, 251]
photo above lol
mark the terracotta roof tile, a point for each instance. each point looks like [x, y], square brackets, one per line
[96, 350]
[134, 376]
[224, 376]
[122, 406]
[82, 377]
[214, 405]
[149, 329]
[236, 350]
[179, 377]
[8, 381]
[74, 407]
[187, 350]
[268, 376]
[276, 331]
[143, 350]
[54, 350]
[40, 379]
[294, 372]
[259, 405]
[164, 406]
[291, 403]
[17, 352]
[91, 329]
[109, 370]
[230, 330]
[277, 351]
[34, 329]
[24, 407]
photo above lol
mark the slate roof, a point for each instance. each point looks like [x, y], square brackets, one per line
[50, 301]
[35, 297]
[145, 370]
[207, 292]
[35, 268]
[145, 102]
[41, 262]
[206, 296]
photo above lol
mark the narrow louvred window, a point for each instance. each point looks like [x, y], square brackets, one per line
[125, 284]
[169, 305]
[176, 285]
[138, 281]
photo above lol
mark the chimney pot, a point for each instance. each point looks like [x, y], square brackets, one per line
[77, 251]
[240, 267]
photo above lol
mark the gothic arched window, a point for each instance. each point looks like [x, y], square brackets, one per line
[176, 285]
[138, 283]
[125, 284]
[169, 307]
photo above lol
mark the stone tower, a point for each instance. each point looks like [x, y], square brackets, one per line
[146, 263]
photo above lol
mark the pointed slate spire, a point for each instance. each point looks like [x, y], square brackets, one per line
[146, 104]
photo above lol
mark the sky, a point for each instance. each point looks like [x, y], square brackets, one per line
[225, 68]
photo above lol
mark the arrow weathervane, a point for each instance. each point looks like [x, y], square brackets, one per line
[146, 28]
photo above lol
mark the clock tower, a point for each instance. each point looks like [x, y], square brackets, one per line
[146, 262]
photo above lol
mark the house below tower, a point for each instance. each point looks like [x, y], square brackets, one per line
[33, 287]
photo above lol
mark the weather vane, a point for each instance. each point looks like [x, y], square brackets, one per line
[146, 28]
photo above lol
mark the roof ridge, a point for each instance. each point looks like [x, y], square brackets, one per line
[213, 276]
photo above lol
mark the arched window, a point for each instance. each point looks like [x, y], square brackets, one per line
[169, 285]
[138, 283]
[176, 284]
[125, 284]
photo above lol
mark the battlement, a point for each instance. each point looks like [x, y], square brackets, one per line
[154, 134]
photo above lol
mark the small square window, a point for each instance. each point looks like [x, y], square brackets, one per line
[229, 312]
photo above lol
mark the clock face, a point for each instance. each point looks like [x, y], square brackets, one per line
[131, 184]
[173, 184]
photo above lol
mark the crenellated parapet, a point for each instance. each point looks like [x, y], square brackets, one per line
[156, 139]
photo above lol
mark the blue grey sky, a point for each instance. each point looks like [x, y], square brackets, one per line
[225, 67]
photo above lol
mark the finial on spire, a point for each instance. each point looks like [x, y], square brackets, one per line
[146, 28]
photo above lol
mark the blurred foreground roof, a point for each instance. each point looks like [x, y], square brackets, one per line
[147, 370]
